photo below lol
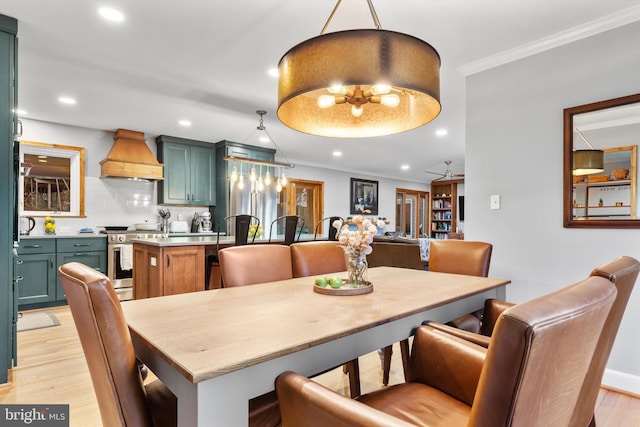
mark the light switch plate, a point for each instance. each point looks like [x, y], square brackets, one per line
[153, 261]
[495, 201]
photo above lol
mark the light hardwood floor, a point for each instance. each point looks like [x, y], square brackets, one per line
[52, 369]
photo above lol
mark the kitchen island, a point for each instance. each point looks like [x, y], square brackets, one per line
[175, 265]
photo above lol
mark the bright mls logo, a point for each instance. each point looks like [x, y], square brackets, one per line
[34, 415]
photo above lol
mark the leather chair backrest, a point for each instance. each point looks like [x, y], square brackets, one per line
[332, 231]
[529, 378]
[316, 258]
[251, 264]
[107, 346]
[623, 272]
[460, 257]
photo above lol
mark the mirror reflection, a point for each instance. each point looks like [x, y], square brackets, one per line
[54, 185]
[600, 173]
[610, 194]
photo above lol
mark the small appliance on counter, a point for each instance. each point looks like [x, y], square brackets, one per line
[179, 226]
[27, 224]
[195, 223]
[206, 224]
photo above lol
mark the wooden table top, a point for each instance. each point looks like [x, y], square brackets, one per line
[207, 334]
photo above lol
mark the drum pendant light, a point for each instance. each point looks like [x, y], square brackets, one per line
[587, 162]
[359, 83]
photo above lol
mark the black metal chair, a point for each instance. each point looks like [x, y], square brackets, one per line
[240, 224]
[333, 231]
[293, 226]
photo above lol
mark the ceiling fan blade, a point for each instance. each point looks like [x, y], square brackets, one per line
[435, 173]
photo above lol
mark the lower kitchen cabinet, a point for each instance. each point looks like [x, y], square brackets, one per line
[88, 251]
[162, 271]
[37, 267]
[36, 272]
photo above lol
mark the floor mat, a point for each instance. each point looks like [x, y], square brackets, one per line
[38, 320]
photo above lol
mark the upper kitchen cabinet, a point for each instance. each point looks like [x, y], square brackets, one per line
[189, 172]
[224, 168]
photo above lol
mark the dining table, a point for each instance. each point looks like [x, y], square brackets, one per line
[217, 349]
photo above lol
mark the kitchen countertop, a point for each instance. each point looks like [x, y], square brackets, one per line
[62, 236]
[196, 240]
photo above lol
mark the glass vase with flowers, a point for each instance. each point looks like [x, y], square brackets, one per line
[356, 243]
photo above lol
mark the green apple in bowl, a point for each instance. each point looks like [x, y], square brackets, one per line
[335, 282]
[322, 281]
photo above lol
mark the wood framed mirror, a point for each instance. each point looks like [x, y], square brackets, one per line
[608, 198]
[54, 185]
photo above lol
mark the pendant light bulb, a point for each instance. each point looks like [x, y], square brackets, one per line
[356, 110]
[267, 178]
[252, 174]
[241, 182]
[260, 184]
[283, 179]
[234, 175]
[278, 186]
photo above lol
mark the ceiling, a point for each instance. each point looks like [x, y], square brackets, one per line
[208, 61]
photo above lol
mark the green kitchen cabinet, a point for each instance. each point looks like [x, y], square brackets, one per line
[189, 172]
[8, 131]
[87, 250]
[36, 275]
[223, 169]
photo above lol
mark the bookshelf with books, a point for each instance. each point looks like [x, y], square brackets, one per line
[443, 209]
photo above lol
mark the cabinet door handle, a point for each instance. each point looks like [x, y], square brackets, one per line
[19, 262]
[80, 254]
[51, 262]
[19, 278]
[32, 246]
[168, 260]
[81, 244]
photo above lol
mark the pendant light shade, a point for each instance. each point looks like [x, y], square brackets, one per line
[359, 83]
[587, 162]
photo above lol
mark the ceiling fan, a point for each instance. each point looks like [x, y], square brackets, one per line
[447, 173]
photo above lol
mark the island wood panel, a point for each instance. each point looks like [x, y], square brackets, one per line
[160, 271]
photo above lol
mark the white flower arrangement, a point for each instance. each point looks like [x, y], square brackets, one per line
[355, 242]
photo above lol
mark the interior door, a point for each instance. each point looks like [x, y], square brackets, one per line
[412, 215]
[304, 198]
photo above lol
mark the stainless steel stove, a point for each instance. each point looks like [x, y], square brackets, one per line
[120, 258]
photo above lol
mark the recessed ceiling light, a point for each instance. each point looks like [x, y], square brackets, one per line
[111, 14]
[185, 123]
[404, 167]
[273, 72]
[442, 132]
[67, 100]
[337, 153]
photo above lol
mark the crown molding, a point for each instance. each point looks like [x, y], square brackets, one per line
[580, 32]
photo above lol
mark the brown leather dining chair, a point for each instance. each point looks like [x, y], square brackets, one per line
[623, 272]
[449, 256]
[123, 398]
[252, 264]
[530, 376]
[319, 258]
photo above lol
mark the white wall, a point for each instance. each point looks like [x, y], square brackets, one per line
[514, 148]
[114, 201]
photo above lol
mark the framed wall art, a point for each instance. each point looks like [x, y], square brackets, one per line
[364, 197]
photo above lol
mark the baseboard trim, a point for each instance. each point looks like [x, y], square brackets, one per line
[622, 381]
